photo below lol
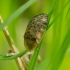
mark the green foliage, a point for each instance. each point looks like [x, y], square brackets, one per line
[59, 26]
[34, 58]
[2, 57]
[17, 13]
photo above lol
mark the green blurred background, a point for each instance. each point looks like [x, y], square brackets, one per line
[53, 37]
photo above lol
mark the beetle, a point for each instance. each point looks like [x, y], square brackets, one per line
[35, 31]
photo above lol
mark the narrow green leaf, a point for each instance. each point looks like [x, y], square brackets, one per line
[4, 57]
[17, 13]
[68, 12]
[61, 53]
[34, 58]
[35, 55]
[52, 9]
[57, 16]
[44, 64]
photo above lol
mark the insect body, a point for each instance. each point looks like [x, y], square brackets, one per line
[35, 31]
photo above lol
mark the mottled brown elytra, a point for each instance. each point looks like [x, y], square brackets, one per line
[35, 31]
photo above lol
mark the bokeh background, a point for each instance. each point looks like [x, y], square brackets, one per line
[53, 37]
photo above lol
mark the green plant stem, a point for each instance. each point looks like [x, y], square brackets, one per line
[35, 55]
[58, 58]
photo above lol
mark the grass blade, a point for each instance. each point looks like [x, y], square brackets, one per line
[60, 54]
[17, 13]
[2, 57]
[44, 64]
[57, 16]
[34, 58]
[68, 12]
[35, 55]
[52, 9]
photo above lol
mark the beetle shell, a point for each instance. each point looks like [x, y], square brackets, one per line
[35, 31]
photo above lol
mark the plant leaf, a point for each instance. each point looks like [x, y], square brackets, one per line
[57, 15]
[44, 64]
[60, 55]
[52, 9]
[18, 12]
[35, 55]
[3, 57]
